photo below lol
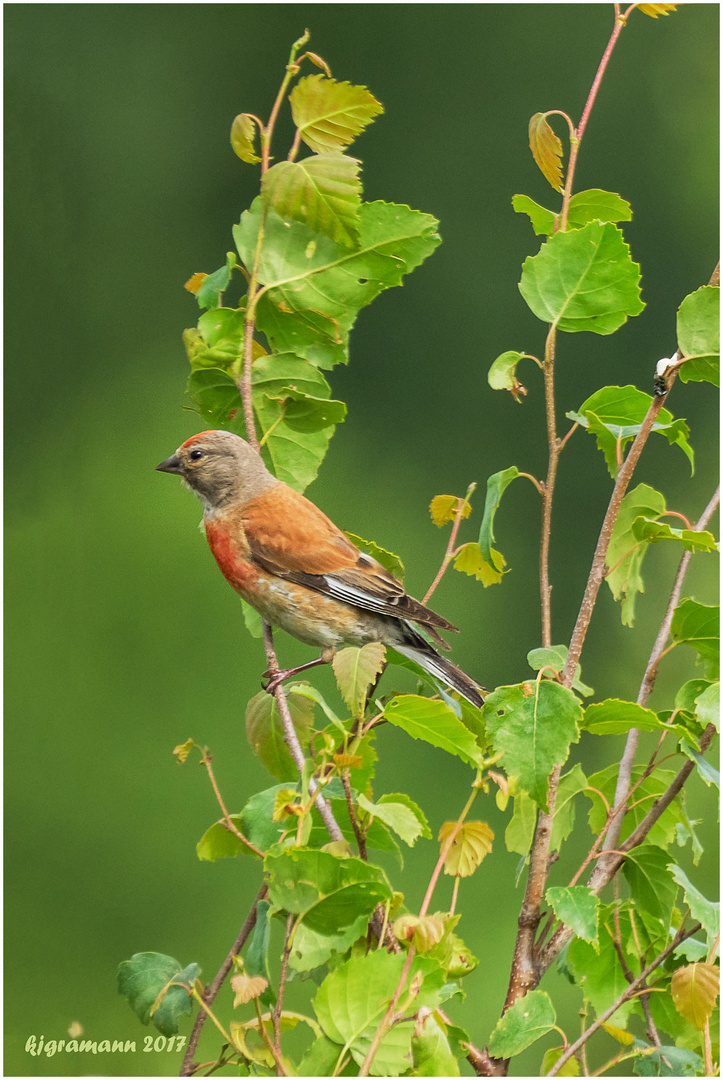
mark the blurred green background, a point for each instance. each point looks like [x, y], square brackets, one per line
[122, 637]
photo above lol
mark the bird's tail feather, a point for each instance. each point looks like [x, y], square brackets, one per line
[440, 668]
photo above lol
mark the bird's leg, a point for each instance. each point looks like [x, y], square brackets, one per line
[276, 678]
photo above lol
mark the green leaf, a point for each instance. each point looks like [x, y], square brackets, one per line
[699, 335]
[532, 725]
[356, 670]
[252, 619]
[496, 486]
[388, 559]
[321, 1058]
[335, 897]
[708, 774]
[297, 445]
[243, 138]
[597, 205]
[330, 114]
[503, 374]
[615, 415]
[323, 191]
[257, 953]
[583, 280]
[552, 1056]
[521, 827]
[142, 979]
[691, 539]
[434, 722]
[257, 822]
[219, 339]
[563, 822]
[706, 912]
[664, 831]
[585, 206]
[695, 989]
[217, 399]
[615, 717]
[524, 1023]
[555, 657]
[431, 1054]
[265, 732]
[597, 971]
[219, 843]
[314, 287]
[470, 560]
[401, 814]
[707, 705]
[698, 625]
[625, 553]
[577, 907]
[546, 150]
[352, 1001]
[652, 887]
[668, 1060]
[543, 221]
[214, 285]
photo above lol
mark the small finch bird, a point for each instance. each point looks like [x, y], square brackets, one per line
[292, 564]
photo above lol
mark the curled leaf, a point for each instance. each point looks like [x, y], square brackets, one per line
[182, 751]
[546, 150]
[243, 138]
[424, 933]
[469, 847]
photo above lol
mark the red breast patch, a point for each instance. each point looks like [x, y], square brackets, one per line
[238, 570]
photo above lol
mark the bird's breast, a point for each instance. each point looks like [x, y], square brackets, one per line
[233, 560]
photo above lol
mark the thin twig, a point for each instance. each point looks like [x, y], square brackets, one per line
[209, 996]
[278, 1009]
[597, 882]
[646, 686]
[444, 852]
[292, 740]
[449, 553]
[206, 760]
[631, 991]
[384, 1026]
[280, 1068]
[361, 842]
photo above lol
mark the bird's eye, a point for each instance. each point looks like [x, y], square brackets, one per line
[195, 455]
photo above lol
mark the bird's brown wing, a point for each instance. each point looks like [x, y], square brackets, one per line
[292, 538]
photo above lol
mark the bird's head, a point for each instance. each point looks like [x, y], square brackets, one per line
[219, 467]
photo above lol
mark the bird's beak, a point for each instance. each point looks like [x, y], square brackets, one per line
[172, 465]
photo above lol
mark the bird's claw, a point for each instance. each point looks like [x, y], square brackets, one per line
[272, 680]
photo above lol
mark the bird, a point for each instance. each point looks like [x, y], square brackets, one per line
[291, 563]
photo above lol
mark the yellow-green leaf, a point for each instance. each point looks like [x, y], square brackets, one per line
[653, 10]
[356, 670]
[243, 138]
[443, 508]
[619, 1034]
[470, 560]
[182, 751]
[546, 150]
[330, 114]
[695, 988]
[469, 847]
